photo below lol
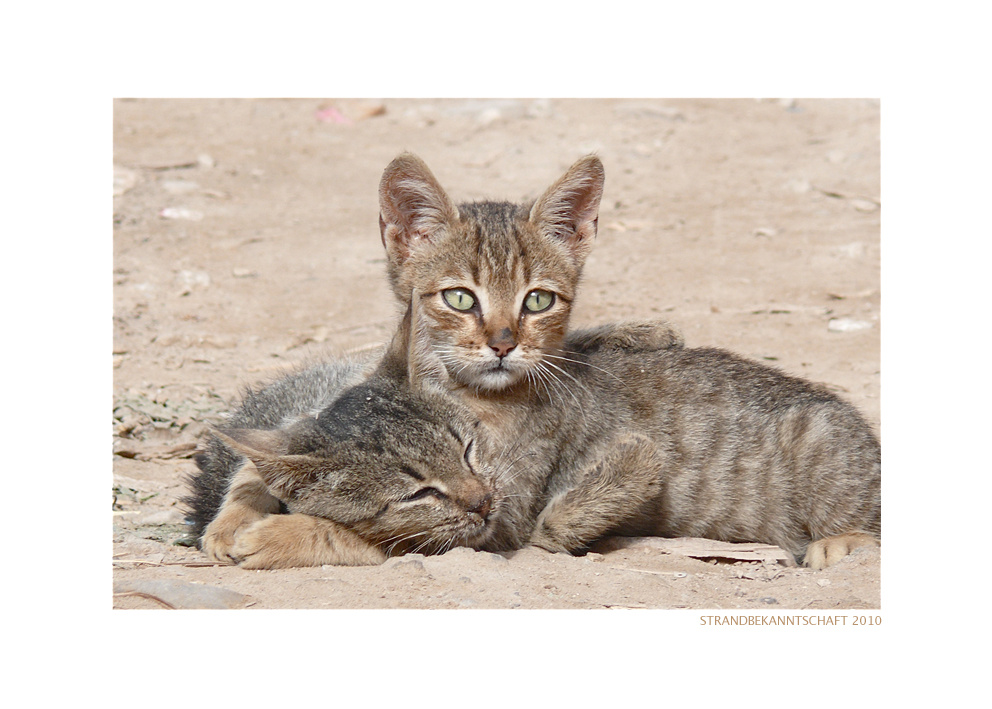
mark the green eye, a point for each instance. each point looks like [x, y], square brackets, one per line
[537, 301]
[459, 298]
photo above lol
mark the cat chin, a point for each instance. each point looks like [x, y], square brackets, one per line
[493, 379]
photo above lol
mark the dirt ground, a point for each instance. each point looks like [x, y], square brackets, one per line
[246, 241]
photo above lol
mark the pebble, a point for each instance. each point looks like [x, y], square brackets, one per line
[864, 205]
[847, 325]
[409, 562]
[191, 279]
[180, 594]
[798, 186]
[852, 250]
[124, 180]
[191, 215]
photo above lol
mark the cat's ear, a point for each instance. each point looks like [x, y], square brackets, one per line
[283, 474]
[413, 207]
[569, 209]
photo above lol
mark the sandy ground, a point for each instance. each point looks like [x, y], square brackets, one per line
[246, 240]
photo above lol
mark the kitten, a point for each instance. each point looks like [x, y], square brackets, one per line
[496, 280]
[638, 441]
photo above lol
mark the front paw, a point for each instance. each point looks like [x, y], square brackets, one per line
[286, 541]
[547, 538]
[221, 535]
[266, 544]
[825, 552]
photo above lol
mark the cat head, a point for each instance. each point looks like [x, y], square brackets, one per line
[397, 467]
[495, 280]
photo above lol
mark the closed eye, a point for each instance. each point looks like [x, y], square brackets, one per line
[425, 492]
[468, 452]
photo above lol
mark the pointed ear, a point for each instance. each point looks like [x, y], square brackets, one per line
[569, 209]
[283, 474]
[412, 207]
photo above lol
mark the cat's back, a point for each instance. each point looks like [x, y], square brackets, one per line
[751, 452]
[707, 379]
[306, 391]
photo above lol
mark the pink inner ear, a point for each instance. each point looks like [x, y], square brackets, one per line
[569, 209]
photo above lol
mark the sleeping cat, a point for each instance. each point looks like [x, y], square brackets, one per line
[646, 441]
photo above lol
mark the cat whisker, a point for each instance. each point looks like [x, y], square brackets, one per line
[584, 364]
[550, 380]
[578, 404]
[400, 538]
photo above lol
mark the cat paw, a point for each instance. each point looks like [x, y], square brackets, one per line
[220, 535]
[287, 541]
[546, 537]
[825, 552]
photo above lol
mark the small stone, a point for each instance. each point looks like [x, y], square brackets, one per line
[179, 594]
[191, 215]
[765, 231]
[847, 325]
[409, 562]
[853, 250]
[488, 116]
[243, 273]
[798, 186]
[768, 600]
[864, 205]
[823, 582]
[205, 161]
[124, 180]
[191, 279]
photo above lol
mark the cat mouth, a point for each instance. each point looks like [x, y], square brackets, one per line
[497, 375]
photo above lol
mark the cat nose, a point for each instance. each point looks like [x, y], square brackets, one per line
[503, 343]
[483, 507]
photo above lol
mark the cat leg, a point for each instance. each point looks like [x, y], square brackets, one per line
[615, 491]
[246, 502]
[824, 552]
[641, 336]
[284, 541]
